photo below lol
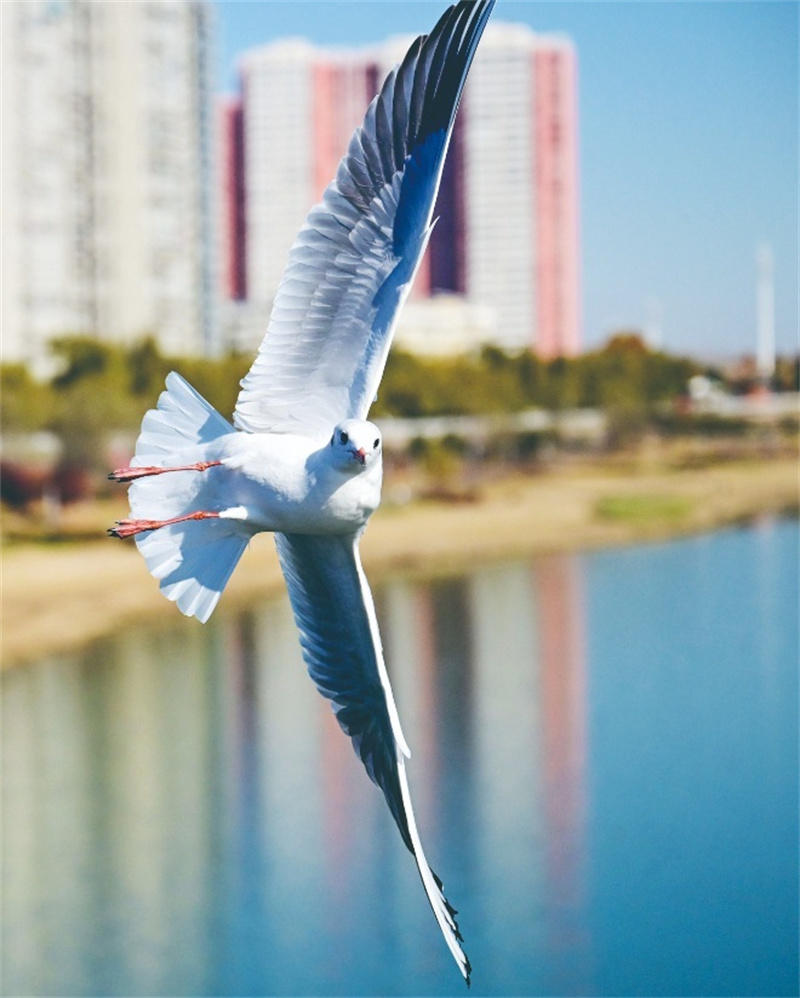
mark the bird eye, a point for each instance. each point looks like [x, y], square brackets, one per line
[343, 437]
[377, 441]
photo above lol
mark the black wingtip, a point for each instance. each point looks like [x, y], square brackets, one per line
[445, 60]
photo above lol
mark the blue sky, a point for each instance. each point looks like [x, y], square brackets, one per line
[689, 148]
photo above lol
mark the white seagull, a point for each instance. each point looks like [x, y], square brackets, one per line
[301, 459]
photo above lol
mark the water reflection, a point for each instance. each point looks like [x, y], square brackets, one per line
[181, 814]
[562, 654]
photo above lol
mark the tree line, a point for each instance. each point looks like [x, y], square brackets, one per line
[101, 388]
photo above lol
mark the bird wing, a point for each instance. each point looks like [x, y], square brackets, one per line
[352, 264]
[335, 615]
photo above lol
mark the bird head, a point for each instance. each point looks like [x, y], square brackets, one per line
[356, 445]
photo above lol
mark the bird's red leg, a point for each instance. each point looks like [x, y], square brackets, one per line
[127, 528]
[129, 474]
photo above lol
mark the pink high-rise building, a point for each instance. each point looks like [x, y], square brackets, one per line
[233, 282]
[343, 86]
[518, 197]
[556, 174]
[508, 230]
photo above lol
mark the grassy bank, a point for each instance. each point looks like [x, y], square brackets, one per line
[58, 595]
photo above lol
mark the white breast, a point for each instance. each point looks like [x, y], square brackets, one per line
[286, 482]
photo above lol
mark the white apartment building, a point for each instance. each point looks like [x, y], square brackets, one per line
[108, 224]
[277, 107]
[444, 326]
[300, 106]
[499, 190]
[508, 236]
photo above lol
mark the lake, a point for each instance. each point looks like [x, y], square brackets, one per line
[604, 774]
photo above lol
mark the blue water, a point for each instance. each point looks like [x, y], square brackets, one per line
[605, 776]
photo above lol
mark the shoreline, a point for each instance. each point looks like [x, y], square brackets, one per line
[59, 597]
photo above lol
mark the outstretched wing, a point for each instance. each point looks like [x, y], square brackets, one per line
[341, 646]
[354, 259]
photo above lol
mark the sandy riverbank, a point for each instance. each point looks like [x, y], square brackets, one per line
[59, 596]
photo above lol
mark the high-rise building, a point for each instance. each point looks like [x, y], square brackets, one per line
[230, 188]
[511, 239]
[108, 225]
[555, 112]
[300, 107]
[765, 313]
[507, 235]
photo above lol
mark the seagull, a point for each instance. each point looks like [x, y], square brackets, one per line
[301, 459]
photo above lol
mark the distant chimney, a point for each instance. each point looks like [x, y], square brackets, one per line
[765, 312]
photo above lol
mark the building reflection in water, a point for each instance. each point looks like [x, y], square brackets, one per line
[530, 751]
[183, 815]
[106, 754]
[562, 658]
[507, 814]
[491, 677]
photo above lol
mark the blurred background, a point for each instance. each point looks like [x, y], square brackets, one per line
[600, 352]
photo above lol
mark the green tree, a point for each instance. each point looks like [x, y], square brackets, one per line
[25, 403]
[147, 368]
[80, 357]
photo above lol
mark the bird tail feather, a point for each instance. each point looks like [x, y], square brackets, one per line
[192, 560]
[181, 419]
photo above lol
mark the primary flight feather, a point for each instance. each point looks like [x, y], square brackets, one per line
[301, 460]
